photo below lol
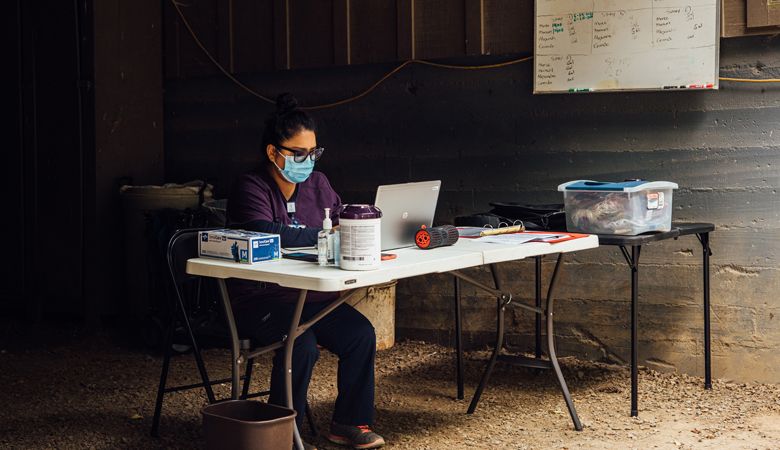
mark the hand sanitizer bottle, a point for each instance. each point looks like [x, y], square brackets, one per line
[336, 246]
[325, 241]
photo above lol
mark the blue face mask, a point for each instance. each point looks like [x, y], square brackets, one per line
[296, 172]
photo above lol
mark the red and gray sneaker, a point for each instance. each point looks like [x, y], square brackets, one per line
[359, 437]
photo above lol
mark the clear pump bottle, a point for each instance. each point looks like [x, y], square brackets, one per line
[327, 242]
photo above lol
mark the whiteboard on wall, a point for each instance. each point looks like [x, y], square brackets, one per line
[610, 45]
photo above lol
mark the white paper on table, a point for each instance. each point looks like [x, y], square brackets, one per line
[518, 238]
[309, 249]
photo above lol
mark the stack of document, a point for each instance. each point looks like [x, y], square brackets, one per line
[522, 238]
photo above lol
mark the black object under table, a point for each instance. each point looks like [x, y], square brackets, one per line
[700, 230]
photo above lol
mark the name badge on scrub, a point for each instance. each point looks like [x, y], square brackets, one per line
[291, 214]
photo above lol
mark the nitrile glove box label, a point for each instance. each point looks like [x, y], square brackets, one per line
[247, 247]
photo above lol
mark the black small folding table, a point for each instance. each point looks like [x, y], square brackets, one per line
[700, 230]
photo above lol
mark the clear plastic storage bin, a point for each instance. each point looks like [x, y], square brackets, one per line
[627, 208]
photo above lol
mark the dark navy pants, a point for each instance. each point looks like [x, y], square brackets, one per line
[344, 332]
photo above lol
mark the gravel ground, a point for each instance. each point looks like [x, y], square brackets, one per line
[91, 392]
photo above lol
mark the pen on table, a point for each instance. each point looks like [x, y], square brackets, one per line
[504, 230]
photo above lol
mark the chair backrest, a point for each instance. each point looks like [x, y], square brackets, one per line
[195, 295]
[182, 246]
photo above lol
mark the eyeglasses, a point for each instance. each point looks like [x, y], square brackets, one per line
[300, 156]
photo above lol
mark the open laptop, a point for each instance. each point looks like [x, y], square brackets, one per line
[404, 208]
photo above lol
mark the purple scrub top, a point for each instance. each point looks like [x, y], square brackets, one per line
[256, 196]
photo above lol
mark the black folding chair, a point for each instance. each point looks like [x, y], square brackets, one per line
[192, 314]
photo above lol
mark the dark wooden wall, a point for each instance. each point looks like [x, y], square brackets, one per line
[248, 36]
[42, 167]
[128, 137]
[86, 94]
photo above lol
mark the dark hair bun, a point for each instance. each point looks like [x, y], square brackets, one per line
[286, 121]
[286, 103]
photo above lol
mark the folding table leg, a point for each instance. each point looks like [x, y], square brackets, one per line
[551, 347]
[295, 330]
[538, 328]
[289, 343]
[458, 340]
[235, 355]
[635, 251]
[501, 307]
[705, 243]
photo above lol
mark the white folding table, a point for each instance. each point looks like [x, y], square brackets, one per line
[410, 262]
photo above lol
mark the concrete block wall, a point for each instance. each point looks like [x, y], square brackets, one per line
[487, 138]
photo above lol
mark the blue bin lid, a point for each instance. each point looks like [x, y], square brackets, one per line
[622, 186]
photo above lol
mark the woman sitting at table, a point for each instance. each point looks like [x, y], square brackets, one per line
[285, 196]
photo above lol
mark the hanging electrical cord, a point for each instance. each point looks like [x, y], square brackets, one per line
[213, 60]
[750, 80]
[414, 61]
[389, 74]
[340, 102]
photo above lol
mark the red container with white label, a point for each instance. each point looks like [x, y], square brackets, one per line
[625, 208]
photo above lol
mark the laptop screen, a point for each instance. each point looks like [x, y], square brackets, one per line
[405, 207]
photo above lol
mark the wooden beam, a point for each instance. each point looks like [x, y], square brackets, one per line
[373, 29]
[342, 51]
[508, 26]
[475, 27]
[253, 36]
[282, 34]
[734, 20]
[225, 32]
[406, 47]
